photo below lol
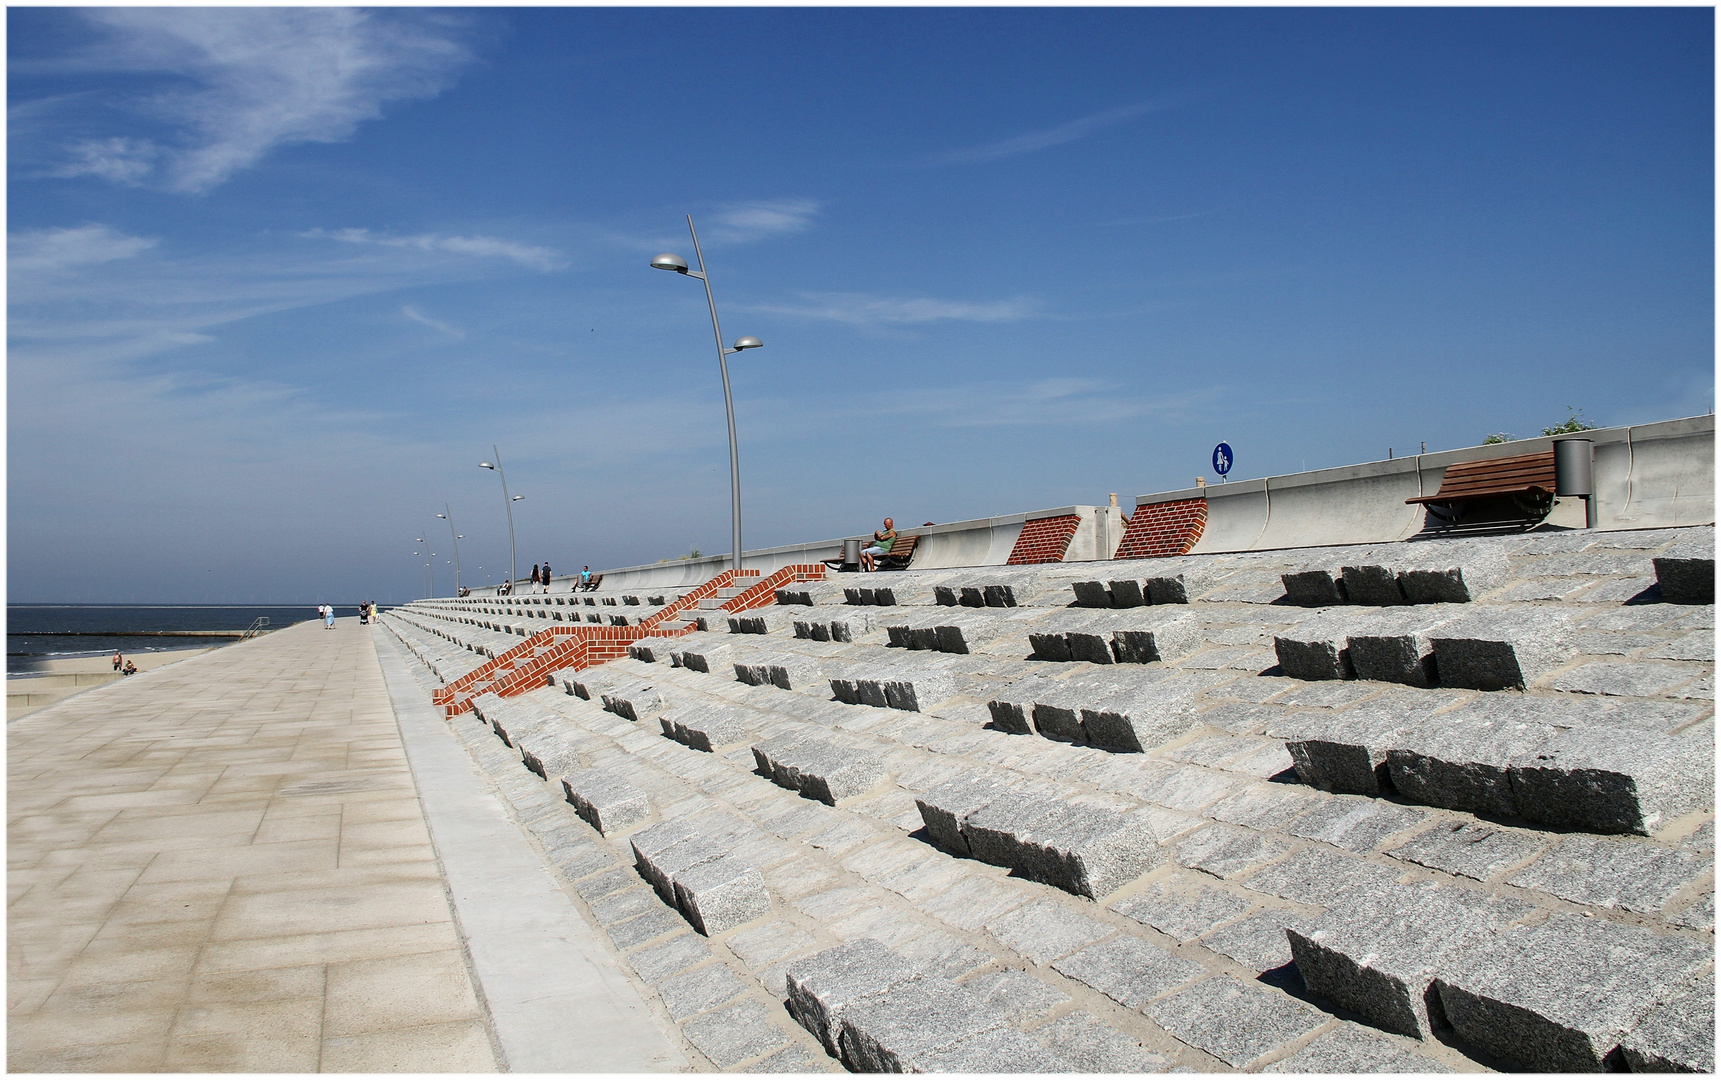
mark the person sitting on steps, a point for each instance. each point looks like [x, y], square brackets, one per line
[882, 541]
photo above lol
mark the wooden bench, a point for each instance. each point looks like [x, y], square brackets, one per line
[597, 579]
[1498, 491]
[900, 553]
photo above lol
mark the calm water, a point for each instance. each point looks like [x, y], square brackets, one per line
[37, 632]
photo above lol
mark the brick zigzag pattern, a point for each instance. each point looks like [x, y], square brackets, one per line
[560, 648]
[1044, 540]
[1162, 529]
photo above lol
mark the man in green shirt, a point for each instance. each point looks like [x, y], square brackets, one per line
[882, 540]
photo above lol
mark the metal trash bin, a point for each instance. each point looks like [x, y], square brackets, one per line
[851, 555]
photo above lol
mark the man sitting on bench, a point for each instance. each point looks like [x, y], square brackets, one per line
[882, 541]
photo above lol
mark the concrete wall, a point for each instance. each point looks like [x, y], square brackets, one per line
[1648, 476]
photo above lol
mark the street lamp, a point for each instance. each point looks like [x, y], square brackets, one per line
[508, 502]
[679, 265]
[449, 517]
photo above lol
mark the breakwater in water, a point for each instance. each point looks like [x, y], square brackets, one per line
[39, 632]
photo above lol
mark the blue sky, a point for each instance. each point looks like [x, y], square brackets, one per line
[279, 278]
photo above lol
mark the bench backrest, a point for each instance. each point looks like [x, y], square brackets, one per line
[903, 548]
[1499, 476]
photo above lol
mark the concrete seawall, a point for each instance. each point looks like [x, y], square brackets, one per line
[1646, 476]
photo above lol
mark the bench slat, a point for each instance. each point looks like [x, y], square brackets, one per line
[1501, 476]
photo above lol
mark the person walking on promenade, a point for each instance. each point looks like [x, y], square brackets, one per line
[328, 616]
[119, 661]
[882, 541]
[546, 579]
[534, 577]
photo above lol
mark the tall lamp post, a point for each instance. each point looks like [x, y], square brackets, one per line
[679, 265]
[429, 574]
[508, 502]
[449, 517]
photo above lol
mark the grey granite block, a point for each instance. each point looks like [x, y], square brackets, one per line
[1091, 594]
[720, 894]
[1355, 823]
[1018, 995]
[904, 1028]
[1127, 593]
[648, 927]
[1686, 572]
[1128, 970]
[1317, 648]
[673, 957]
[995, 1050]
[793, 1058]
[699, 990]
[1142, 718]
[1376, 952]
[945, 807]
[1559, 996]
[1236, 1022]
[1045, 930]
[1224, 850]
[1614, 780]
[606, 802]
[1396, 645]
[1347, 751]
[1182, 586]
[1461, 760]
[1494, 649]
[732, 1035]
[1370, 582]
[1317, 876]
[818, 769]
[1626, 873]
[1318, 585]
[1259, 942]
[1472, 849]
[1455, 576]
[825, 984]
[1090, 1045]
[1678, 1035]
[1351, 1048]
[706, 727]
[1083, 850]
[1182, 906]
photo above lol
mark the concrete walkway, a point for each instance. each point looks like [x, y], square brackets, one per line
[224, 865]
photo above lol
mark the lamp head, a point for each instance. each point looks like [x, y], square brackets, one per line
[486, 465]
[517, 498]
[443, 516]
[747, 343]
[670, 262]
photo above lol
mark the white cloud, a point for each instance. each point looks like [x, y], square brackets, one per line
[536, 258]
[435, 324]
[761, 220]
[260, 78]
[50, 250]
[860, 309]
[1040, 140]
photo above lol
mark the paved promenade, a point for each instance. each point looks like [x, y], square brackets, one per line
[225, 865]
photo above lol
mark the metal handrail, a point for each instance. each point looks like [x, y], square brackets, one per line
[257, 628]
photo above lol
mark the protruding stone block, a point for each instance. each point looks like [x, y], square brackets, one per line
[720, 894]
[1082, 850]
[1494, 650]
[822, 986]
[1319, 585]
[1091, 594]
[818, 769]
[1560, 995]
[1614, 780]
[1450, 577]
[1687, 574]
[1142, 718]
[708, 728]
[1377, 951]
[1347, 751]
[605, 802]
[1127, 593]
[945, 807]
[1372, 583]
[1317, 647]
[1677, 1035]
[1397, 645]
[1461, 760]
[907, 1027]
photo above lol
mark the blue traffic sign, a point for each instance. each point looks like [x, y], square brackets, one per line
[1222, 458]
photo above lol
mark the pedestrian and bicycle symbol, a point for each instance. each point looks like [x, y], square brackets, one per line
[1222, 459]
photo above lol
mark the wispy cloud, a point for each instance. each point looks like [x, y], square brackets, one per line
[50, 250]
[258, 78]
[744, 222]
[484, 247]
[435, 324]
[1067, 132]
[860, 309]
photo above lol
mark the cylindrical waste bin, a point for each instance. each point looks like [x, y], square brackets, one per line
[1574, 474]
[851, 553]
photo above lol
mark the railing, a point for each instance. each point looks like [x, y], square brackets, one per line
[257, 628]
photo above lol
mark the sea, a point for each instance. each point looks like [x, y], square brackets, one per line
[39, 632]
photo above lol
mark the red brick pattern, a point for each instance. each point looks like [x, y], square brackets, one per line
[1161, 529]
[1044, 540]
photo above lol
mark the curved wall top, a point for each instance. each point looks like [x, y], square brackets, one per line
[1646, 476]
